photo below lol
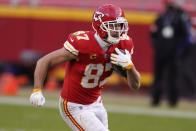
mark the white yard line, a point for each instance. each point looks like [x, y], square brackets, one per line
[111, 108]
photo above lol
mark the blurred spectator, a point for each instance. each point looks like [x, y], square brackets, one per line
[171, 39]
[1, 67]
[24, 67]
[27, 62]
[186, 64]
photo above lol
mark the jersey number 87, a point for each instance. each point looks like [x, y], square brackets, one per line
[92, 75]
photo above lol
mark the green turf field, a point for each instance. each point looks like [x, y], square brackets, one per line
[28, 118]
[125, 112]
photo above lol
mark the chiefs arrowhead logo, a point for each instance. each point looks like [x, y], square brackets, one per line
[98, 15]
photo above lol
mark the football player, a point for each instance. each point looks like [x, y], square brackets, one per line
[89, 55]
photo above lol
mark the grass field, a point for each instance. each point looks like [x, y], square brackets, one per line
[130, 115]
[26, 118]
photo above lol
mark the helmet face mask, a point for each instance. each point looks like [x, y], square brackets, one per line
[109, 23]
[114, 30]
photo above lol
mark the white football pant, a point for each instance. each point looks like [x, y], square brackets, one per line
[92, 117]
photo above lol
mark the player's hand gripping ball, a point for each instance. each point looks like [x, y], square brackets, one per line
[121, 61]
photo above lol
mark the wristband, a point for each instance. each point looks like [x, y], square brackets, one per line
[129, 66]
[37, 90]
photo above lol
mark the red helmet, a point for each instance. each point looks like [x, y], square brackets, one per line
[109, 18]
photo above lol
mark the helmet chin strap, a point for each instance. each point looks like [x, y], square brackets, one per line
[112, 40]
[107, 41]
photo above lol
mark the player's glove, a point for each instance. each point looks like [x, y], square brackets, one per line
[37, 97]
[122, 59]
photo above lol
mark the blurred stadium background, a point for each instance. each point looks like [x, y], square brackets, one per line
[31, 28]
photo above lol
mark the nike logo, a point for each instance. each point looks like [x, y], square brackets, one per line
[71, 39]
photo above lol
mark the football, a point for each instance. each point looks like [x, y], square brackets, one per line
[119, 69]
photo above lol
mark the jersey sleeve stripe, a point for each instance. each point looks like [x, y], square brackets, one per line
[71, 117]
[70, 48]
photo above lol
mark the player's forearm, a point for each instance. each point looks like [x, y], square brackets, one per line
[54, 58]
[133, 78]
[40, 73]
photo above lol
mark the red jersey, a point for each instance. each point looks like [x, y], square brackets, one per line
[86, 76]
